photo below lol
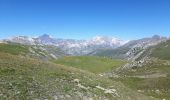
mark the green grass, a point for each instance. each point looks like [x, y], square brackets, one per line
[158, 86]
[162, 51]
[149, 86]
[29, 79]
[32, 51]
[91, 63]
[118, 53]
[13, 48]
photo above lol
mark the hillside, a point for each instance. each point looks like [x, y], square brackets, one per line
[162, 51]
[151, 79]
[131, 50]
[91, 63]
[25, 78]
[159, 51]
[117, 53]
[149, 74]
[45, 52]
[15, 49]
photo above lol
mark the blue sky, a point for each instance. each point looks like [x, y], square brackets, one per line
[83, 19]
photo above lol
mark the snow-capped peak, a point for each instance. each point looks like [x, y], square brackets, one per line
[22, 40]
[107, 40]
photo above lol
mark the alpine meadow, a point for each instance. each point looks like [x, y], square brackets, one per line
[84, 50]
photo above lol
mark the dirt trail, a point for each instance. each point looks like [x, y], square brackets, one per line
[156, 75]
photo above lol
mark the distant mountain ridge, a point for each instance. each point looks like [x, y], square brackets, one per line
[71, 46]
[99, 45]
[132, 49]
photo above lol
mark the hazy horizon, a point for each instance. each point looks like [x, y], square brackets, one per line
[80, 39]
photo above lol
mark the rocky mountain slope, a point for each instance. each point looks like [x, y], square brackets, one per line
[131, 50]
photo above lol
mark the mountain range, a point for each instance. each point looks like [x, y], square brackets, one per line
[71, 46]
[99, 45]
[130, 49]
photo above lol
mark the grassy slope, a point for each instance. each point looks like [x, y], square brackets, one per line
[33, 51]
[162, 50]
[113, 53]
[15, 49]
[23, 78]
[158, 86]
[91, 63]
